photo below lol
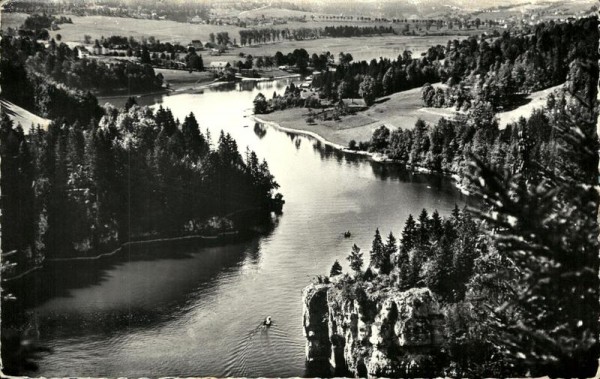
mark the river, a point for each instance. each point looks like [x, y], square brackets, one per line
[196, 311]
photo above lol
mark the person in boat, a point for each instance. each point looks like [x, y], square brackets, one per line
[347, 234]
[268, 321]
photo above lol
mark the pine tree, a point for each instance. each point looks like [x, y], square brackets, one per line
[389, 250]
[195, 143]
[456, 214]
[441, 277]
[336, 269]
[377, 253]
[423, 230]
[436, 226]
[356, 260]
[409, 234]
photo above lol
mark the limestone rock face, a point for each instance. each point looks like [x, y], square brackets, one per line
[382, 334]
[315, 313]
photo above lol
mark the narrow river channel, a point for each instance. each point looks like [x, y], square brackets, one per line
[195, 311]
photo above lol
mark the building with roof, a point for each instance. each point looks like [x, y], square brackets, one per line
[218, 66]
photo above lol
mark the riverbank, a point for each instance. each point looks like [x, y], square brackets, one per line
[221, 238]
[312, 130]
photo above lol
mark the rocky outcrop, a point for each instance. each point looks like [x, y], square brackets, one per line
[372, 333]
[314, 319]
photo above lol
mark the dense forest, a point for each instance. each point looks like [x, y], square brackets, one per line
[77, 189]
[517, 278]
[501, 71]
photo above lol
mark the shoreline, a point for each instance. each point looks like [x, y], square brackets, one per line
[222, 237]
[375, 157]
[319, 138]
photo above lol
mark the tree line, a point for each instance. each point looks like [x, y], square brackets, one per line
[265, 35]
[43, 21]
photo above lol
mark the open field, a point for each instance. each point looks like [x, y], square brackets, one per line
[98, 26]
[21, 116]
[170, 31]
[12, 20]
[537, 101]
[361, 48]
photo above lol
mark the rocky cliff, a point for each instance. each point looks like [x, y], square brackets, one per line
[369, 332]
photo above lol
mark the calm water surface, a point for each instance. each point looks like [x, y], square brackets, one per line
[195, 311]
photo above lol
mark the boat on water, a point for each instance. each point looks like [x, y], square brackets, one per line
[268, 321]
[347, 234]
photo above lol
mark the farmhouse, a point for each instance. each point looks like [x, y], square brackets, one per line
[218, 66]
[355, 104]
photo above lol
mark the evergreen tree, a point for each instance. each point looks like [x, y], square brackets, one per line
[404, 269]
[194, 141]
[440, 276]
[437, 230]
[377, 253]
[423, 230]
[389, 250]
[456, 214]
[336, 269]
[356, 260]
[409, 235]
[549, 229]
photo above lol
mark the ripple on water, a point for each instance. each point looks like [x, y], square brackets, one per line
[262, 343]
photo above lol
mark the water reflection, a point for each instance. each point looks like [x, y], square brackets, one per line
[144, 295]
[260, 130]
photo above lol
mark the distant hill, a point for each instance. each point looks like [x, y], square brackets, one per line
[435, 8]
